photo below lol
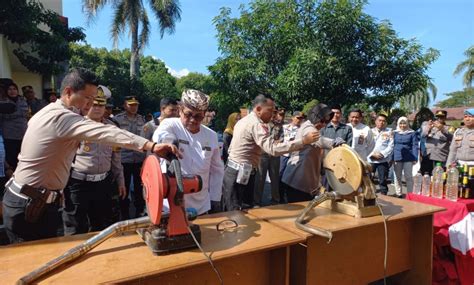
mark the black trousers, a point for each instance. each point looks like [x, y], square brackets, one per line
[87, 206]
[427, 165]
[12, 149]
[295, 195]
[382, 172]
[132, 171]
[19, 230]
[236, 196]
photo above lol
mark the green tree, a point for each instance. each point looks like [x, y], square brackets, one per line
[41, 36]
[157, 84]
[420, 98]
[458, 99]
[112, 68]
[198, 81]
[467, 66]
[132, 14]
[308, 106]
[299, 50]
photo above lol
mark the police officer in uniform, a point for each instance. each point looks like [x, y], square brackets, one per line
[95, 170]
[251, 136]
[132, 161]
[461, 150]
[438, 139]
[32, 195]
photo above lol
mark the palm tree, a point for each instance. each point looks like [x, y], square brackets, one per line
[420, 98]
[132, 14]
[468, 65]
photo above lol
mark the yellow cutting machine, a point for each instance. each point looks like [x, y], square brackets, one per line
[353, 191]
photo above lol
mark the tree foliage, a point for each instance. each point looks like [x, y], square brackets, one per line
[467, 66]
[309, 105]
[458, 99]
[299, 50]
[420, 98]
[132, 15]
[41, 36]
[198, 81]
[112, 69]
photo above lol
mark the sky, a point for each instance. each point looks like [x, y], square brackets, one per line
[446, 25]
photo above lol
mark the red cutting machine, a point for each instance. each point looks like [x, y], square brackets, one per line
[168, 231]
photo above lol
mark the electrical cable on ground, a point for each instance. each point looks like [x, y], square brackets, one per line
[179, 180]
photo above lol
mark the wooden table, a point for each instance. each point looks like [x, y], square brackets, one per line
[356, 253]
[257, 252]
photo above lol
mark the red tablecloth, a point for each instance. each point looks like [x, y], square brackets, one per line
[444, 271]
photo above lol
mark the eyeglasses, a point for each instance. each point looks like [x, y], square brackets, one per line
[225, 225]
[197, 116]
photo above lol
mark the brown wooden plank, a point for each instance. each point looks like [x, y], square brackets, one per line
[259, 268]
[394, 208]
[128, 258]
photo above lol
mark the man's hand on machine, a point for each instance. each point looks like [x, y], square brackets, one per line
[338, 142]
[311, 137]
[162, 149]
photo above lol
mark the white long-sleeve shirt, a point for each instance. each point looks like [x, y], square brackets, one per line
[201, 156]
[362, 140]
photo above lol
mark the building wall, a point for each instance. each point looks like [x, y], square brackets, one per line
[29, 78]
[11, 68]
[5, 66]
[54, 5]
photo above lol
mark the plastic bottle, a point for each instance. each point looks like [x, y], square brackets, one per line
[445, 178]
[417, 183]
[452, 184]
[438, 181]
[425, 188]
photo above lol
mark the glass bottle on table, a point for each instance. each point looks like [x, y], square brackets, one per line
[417, 183]
[425, 187]
[471, 182]
[452, 184]
[437, 186]
[445, 180]
[466, 189]
[465, 182]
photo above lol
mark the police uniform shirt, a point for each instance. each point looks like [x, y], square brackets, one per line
[96, 158]
[201, 156]
[462, 147]
[134, 125]
[383, 144]
[251, 136]
[51, 142]
[437, 142]
[362, 140]
[14, 125]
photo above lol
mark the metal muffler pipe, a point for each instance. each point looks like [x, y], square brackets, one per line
[85, 247]
[301, 221]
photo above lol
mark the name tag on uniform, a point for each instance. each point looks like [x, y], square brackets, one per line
[206, 148]
[183, 141]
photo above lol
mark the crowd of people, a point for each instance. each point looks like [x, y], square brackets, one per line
[71, 166]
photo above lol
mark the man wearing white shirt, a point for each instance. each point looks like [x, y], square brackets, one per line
[381, 154]
[362, 136]
[199, 145]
